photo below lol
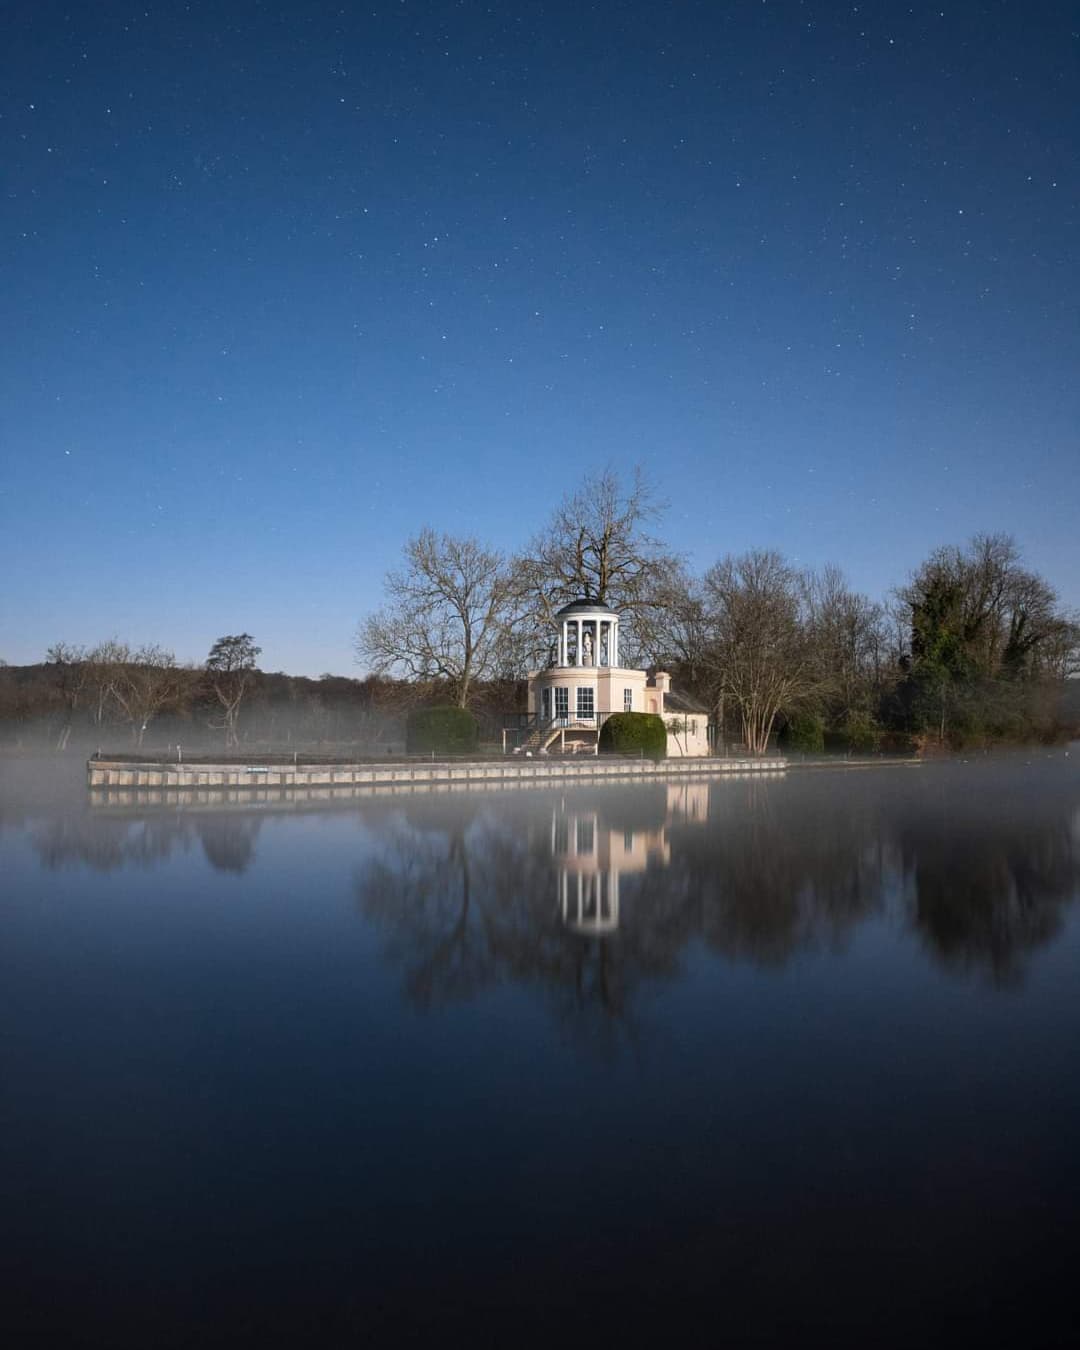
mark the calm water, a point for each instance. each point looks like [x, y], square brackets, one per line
[734, 1062]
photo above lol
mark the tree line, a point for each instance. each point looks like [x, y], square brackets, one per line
[90, 696]
[973, 647]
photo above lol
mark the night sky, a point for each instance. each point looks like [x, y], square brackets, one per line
[282, 284]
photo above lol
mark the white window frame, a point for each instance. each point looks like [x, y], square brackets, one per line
[562, 702]
[628, 700]
[585, 694]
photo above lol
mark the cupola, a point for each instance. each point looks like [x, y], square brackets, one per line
[587, 635]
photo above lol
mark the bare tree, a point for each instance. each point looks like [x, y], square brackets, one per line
[229, 668]
[449, 615]
[677, 635]
[759, 644]
[674, 632]
[850, 641]
[1036, 632]
[97, 679]
[71, 671]
[145, 682]
[597, 546]
[1059, 655]
[103, 665]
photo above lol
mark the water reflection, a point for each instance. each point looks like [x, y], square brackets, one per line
[591, 895]
[107, 845]
[772, 878]
[232, 1083]
[989, 885]
[468, 896]
[108, 842]
[229, 843]
[592, 854]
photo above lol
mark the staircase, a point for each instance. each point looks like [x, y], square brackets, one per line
[544, 733]
[537, 739]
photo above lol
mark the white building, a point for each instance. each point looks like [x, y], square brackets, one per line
[585, 683]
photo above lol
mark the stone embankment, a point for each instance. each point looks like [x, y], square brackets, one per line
[120, 773]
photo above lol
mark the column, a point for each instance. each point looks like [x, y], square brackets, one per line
[577, 654]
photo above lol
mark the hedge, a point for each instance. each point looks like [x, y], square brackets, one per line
[631, 733]
[441, 731]
[805, 732]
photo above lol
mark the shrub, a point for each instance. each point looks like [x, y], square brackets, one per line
[441, 731]
[861, 731]
[633, 733]
[900, 743]
[805, 732]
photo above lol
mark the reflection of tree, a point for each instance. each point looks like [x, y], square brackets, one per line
[229, 841]
[591, 982]
[108, 843]
[601, 979]
[974, 909]
[772, 877]
[990, 883]
[420, 890]
[473, 904]
[467, 895]
[643, 807]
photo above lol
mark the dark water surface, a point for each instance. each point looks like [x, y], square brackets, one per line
[733, 1062]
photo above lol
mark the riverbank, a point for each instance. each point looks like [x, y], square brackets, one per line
[126, 774]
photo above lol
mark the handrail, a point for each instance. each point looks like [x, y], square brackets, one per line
[534, 722]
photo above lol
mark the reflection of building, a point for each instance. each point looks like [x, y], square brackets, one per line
[687, 803]
[590, 857]
[584, 684]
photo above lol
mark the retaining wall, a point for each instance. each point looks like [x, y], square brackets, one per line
[118, 773]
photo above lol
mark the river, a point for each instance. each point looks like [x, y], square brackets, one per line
[743, 1062]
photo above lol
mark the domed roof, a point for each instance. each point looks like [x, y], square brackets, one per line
[584, 607]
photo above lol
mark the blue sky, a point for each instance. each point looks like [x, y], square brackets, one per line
[281, 285]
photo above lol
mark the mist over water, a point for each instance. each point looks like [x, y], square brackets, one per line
[754, 1059]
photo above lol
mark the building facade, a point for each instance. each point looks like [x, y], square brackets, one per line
[585, 682]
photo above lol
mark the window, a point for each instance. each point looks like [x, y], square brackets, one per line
[628, 700]
[562, 701]
[585, 702]
[545, 705]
